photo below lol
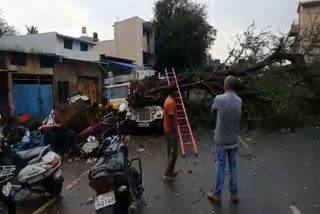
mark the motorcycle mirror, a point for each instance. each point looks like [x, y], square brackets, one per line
[122, 107]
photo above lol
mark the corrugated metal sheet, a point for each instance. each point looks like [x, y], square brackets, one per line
[122, 64]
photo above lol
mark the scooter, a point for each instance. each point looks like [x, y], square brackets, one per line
[38, 170]
[117, 183]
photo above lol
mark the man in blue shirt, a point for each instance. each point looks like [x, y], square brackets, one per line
[226, 139]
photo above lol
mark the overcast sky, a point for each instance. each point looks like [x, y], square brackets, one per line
[229, 17]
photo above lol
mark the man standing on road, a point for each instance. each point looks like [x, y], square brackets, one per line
[226, 139]
[170, 125]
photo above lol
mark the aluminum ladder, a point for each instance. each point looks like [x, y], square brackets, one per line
[185, 133]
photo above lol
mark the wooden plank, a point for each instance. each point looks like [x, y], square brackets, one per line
[88, 86]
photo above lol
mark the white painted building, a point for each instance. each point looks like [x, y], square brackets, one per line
[51, 44]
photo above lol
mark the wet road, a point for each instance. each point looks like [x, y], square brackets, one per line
[278, 173]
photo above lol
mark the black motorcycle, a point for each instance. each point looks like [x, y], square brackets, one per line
[117, 183]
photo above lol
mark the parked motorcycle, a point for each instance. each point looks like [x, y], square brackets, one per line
[36, 170]
[117, 183]
[94, 135]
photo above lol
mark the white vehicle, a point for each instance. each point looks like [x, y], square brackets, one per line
[148, 116]
[39, 172]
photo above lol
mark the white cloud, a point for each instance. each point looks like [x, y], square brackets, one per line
[64, 16]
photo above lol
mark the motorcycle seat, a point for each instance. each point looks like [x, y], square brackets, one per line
[23, 157]
[112, 167]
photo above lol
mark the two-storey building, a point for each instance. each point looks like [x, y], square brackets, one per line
[303, 27]
[134, 39]
[40, 71]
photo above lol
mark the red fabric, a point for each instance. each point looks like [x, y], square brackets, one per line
[24, 117]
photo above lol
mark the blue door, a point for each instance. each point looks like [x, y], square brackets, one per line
[35, 99]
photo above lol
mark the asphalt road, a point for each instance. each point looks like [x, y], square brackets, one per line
[278, 173]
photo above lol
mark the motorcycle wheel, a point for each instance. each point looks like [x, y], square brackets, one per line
[133, 209]
[106, 210]
[54, 188]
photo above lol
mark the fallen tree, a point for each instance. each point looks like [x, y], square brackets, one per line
[257, 59]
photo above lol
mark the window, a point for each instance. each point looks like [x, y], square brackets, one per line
[18, 59]
[118, 92]
[83, 47]
[68, 44]
[63, 91]
[46, 62]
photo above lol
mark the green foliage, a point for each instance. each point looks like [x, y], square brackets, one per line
[183, 34]
[288, 106]
[5, 28]
[32, 30]
[199, 110]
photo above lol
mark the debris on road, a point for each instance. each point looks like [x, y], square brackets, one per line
[196, 201]
[141, 150]
[89, 201]
[295, 210]
[249, 157]
[90, 161]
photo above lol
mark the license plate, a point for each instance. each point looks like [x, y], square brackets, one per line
[105, 200]
[143, 124]
[7, 189]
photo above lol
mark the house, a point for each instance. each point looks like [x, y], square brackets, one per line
[40, 71]
[133, 40]
[308, 15]
[307, 12]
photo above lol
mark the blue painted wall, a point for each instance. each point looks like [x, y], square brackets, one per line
[34, 99]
